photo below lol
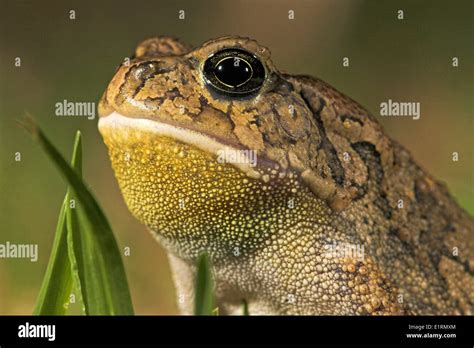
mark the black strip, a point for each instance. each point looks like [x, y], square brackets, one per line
[218, 330]
[337, 171]
[371, 158]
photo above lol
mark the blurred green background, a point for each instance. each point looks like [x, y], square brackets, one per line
[408, 60]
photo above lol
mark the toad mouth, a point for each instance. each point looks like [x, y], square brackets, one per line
[116, 121]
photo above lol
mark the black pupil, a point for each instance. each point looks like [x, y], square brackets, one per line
[233, 71]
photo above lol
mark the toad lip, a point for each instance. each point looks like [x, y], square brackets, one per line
[188, 136]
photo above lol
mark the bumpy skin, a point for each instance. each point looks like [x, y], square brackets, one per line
[327, 174]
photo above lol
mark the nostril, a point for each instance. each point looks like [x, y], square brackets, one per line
[125, 62]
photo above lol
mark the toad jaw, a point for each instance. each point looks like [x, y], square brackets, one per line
[116, 123]
[171, 180]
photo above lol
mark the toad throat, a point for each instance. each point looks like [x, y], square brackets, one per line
[174, 181]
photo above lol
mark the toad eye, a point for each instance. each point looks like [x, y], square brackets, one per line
[234, 72]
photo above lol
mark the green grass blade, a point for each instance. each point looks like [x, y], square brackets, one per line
[57, 282]
[245, 308]
[71, 227]
[204, 302]
[102, 278]
[53, 298]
